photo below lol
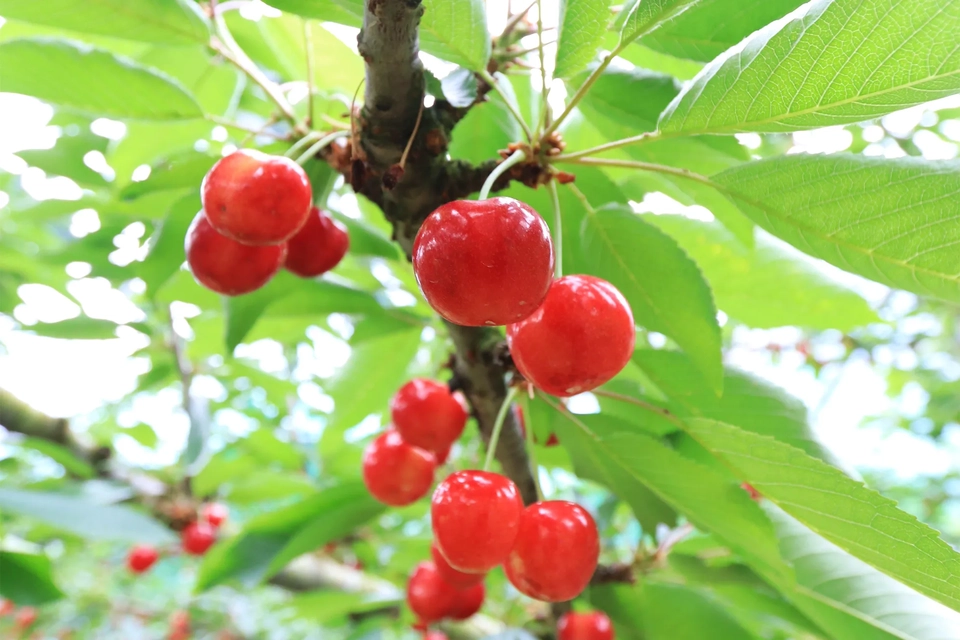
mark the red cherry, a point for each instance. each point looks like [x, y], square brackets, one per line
[255, 198]
[141, 558]
[468, 602]
[580, 337]
[484, 263]
[25, 617]
[442, 456]
[396, 473]
[179, 626]
[6, 607]
[476, 516]
[428, 595]
[584, 626]
[197, 537]
[458, 579]
[556, 551]
[434, 635]
[215, 514]
[427, 415]
[228, 267]
[318, 247]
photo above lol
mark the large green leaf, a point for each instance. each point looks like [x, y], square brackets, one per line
[842, 510]
[672, 611]
[712, 26]
[79, 328]
[639, 17]
[166, 252]
[27, 579]
[839, 61]
[78, 76]
[583, 24]
[456, 32]
[894, 221]
[85, 518]
[348, 12]
[769, 286]
[663, 286]
[161, 21]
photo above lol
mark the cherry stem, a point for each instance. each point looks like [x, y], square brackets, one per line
[516, 157]
[544, 87]
[308, 48]
[535, 468]
[557, 229]
[643, 404]
[647, 136]
[416, 127]
[320, 144]
[498, 427]
[310, 138]
[584, 88]
[644, 166]
[514, 110]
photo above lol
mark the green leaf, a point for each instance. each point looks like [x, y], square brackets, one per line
[484, 130]
[842, 510]
[92, 80]
[179, 171]
[640, 17]
[166, 252]
[66, 157]
[348, 12]
[84, 518]
[663, 286]
[27, 579]
[769, 286]
[456, 32]
[459, 88]
[803, 74]
[269, 485]
[79, 328]
[893, 221]
[712, 26]
[327, 607]
[61, 454]
[672, 611]
[160, 21]
[583, 24]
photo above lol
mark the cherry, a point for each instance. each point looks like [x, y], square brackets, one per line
[428, 595]
[25, 617]
[228, 267]
[396, 473]
[476, 517]
[580, 337]
[6, 607]
[458, 579]
[584, 626]
[487, 262]
[442, 456]
[215, 514]
[179, 626]
[255, 198]
[556, 551]
[434, 635]
[197, 537]
[318, 247]
[141, 558]
[468, 602]
[427, 415]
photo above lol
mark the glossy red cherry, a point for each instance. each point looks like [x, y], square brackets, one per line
[487, 262]
[580, 337]
[215, 514]
[428, 595]
[458, 579]
[318, 247]
[476, 517]
[592, 625]
[141, 558]
[556, 551]
[427, 415]
[25, 617]
[255, 198]
[468, 602]
[228, 267]
[197, 537]
[396, 473]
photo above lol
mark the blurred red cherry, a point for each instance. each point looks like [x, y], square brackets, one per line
[396, 473]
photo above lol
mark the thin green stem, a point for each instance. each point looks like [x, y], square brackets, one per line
[320, 144]
[311, 137]
[308, 47]
[557, 229]
[641, 166]
[544, 88]
[229, 124]
[647, 136]
[643, 404]
[514, 110]
[515, 158]
[531, 453]
[582, 91]
[498, 427]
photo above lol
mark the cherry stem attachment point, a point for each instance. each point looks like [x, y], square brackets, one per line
[557, 229]
[320, 144]
[498, 427]
[516, 157]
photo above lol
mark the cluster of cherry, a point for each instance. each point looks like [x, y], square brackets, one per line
[195, 539]
[257, 217]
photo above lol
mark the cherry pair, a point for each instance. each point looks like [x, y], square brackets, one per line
[195, 539]
[549, 550]
[490, 262]
[257, 217]
[432, 598]
[398, 466]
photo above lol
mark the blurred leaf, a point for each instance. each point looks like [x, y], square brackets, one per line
[27, 579]
[162, 21]
[583, 24]
[78, 76]
[328, 607]
[264, 444]
[265, 485]
[222, 467]
[460, 88]
[142, 433]
[348, 12]
[639, 17]
[456, 32]
[64, 456]
[66, 158]
[179, 171]
[676, 611]
[80, 328]
[166, 252]
[85, 518]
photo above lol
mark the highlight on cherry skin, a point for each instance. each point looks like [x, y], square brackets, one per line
[427, 415]
[581, 337]
[487, 262]
[397, 473]
[589, 625]
[255, 198]
[318, 247]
